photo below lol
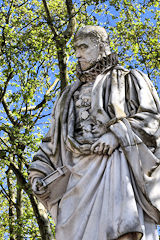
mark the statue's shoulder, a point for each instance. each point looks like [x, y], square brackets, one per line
[124, 71]
[65, 96]
[119, 67]
[70, 88]
[141, 77]
[65, 90]
[64, 93]
[136, 73]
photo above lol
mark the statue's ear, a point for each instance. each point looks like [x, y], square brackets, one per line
[101, 49]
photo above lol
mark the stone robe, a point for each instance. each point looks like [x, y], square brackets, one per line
[107, 197]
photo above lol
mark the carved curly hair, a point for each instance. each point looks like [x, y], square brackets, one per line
[96, 34]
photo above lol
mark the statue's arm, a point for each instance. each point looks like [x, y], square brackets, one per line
[144, 118]
[106, 144]
[42, 164]
[144, 123]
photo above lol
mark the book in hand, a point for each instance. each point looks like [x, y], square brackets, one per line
[51, 188]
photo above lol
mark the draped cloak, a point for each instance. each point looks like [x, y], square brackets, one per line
[107, 196]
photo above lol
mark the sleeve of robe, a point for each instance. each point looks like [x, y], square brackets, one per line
[139, 136]
[48, 157]
[144, 104]
[45, 161]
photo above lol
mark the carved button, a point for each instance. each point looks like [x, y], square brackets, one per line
[85, 98]
[79, 103]
[84, 115]
[76, 93]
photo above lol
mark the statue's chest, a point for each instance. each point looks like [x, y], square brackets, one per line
[82, 102]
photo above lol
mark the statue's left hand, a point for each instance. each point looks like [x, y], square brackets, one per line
[98, 130]
[106, 144]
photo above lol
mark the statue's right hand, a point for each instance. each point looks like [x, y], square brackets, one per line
[37, 182]
[39, 190]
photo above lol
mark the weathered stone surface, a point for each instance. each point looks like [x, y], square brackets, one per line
[110, 141]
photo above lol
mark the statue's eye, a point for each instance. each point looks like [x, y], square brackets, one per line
[84, 46]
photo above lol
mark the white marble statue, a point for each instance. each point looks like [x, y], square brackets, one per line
[106, 130]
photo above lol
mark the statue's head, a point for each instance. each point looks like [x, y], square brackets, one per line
[91, 44]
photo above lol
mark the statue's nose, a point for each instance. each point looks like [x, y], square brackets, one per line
[78, 54]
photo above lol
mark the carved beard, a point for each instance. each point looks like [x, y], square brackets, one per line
[99, 67]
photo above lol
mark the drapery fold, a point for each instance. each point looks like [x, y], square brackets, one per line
[126, 103]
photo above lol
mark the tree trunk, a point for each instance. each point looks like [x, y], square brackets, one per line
[11, 207]
[19, 209]
[42, 220]
[39, 210]
[62, 63]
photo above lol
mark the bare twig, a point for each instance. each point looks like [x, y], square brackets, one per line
[32, 108]
[18, 6]
[9, 12]
[7, 195]
[8, 112]
[38, 117]
[5, 86]
[28, 23]
[21, 179]
[75, 13]
[4, 143]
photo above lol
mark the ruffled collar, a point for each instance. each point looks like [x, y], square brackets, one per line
[105, 63]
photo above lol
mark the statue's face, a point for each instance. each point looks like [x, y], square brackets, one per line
[87, 52]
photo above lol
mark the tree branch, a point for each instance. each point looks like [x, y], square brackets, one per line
[49, 19]
[22, 181]
[42, 220]
[8, 112]
[28, 24]
[9, 12]
[5, 86]
[5, 143]
[18, 6]
[72, 20]
[73, 15]
[32, 108]
[38, 117]
[7, 195]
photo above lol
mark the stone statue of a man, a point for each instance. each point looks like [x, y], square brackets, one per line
[105, 129]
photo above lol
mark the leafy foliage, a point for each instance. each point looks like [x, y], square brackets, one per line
[36, 62]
